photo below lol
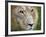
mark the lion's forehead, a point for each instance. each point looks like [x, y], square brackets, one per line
[25, 7]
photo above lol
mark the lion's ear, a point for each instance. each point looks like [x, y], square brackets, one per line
[13, 6]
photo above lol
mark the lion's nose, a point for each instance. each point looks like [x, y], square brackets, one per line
[30, 25]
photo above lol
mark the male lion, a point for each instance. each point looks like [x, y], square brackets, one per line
[23, 17]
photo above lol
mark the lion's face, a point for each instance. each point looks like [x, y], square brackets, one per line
[26, 16]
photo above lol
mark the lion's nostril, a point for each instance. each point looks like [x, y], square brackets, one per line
[30, 24]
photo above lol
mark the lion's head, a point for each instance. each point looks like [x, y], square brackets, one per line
[24, 16]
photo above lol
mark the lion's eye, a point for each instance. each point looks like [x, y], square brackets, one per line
[21, 11]
[32, 10]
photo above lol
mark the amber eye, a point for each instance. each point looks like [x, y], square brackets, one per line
[21, 11]
[32, 10]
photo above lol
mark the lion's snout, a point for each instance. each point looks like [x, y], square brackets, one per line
[28, 22]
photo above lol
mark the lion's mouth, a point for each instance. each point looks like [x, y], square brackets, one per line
[29, 27]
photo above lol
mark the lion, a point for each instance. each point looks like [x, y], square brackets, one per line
[23, 17]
